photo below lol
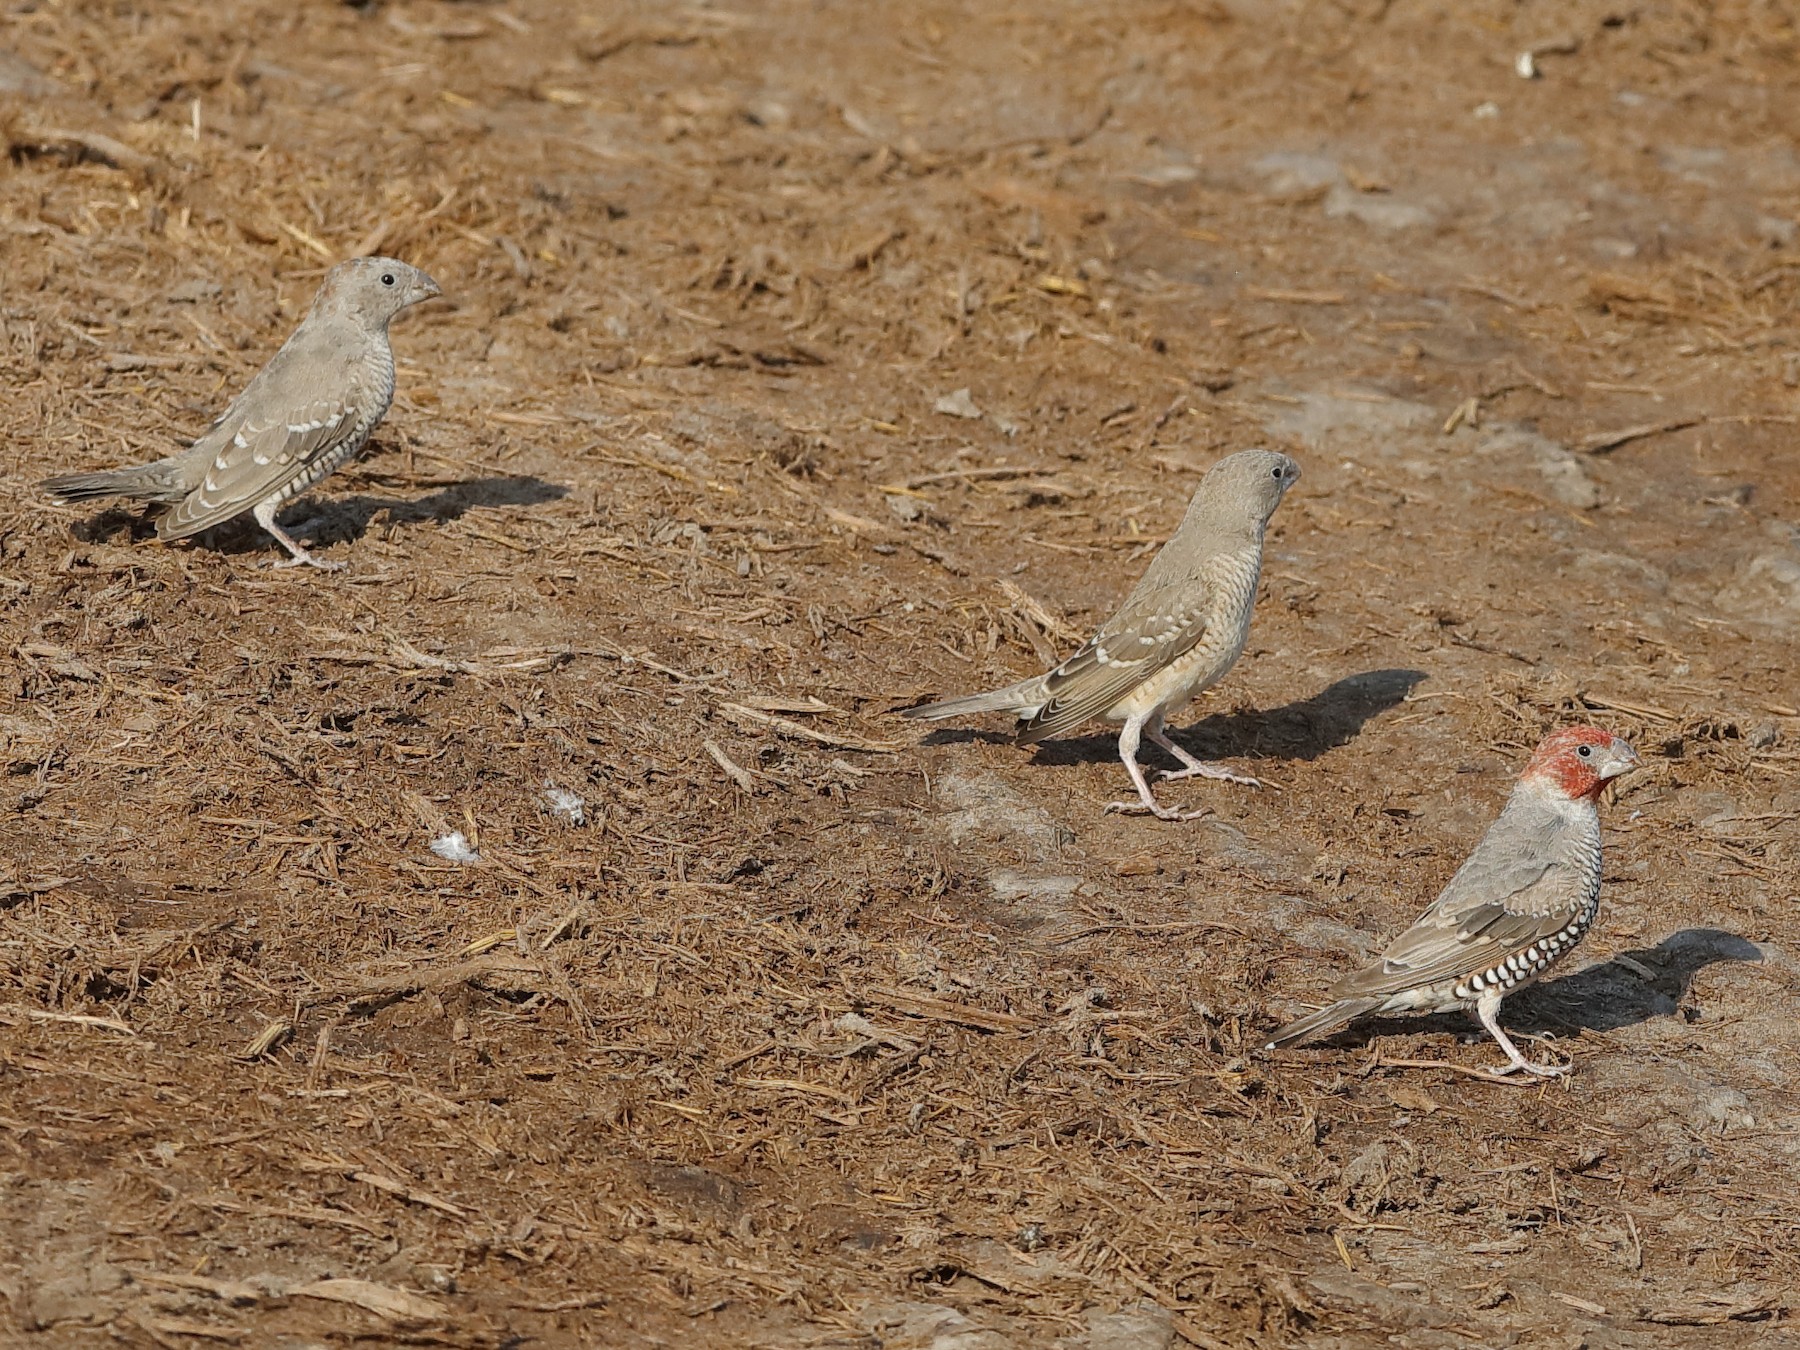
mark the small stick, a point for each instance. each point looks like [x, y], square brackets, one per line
[736, 773]
[1485, 1075]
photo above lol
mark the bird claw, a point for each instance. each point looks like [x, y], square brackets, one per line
[1534, 1069]
[1160, 812]
[307, 560]
[1214, 771]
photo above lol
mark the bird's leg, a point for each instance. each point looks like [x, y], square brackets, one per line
[1192, 768]
[264, 515]
[307, 528]
[1128, 747]
[1487, 1008]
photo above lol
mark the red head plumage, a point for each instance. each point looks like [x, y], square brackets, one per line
[1579, 761]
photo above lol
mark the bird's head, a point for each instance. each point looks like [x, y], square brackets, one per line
[1251, 481]
[1578, 761]
[374, 290]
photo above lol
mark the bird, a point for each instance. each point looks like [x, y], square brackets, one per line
[1527, 894]
[1181, 628]
[307, 412]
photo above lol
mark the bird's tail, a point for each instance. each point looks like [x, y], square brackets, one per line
[1022, 698]
[156, 482]
[1329, 1018]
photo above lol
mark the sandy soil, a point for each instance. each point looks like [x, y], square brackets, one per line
[801, 361]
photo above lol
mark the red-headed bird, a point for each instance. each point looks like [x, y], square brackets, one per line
[1527, 894]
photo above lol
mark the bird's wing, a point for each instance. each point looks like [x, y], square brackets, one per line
[1487, 913]
[1154, 627]
[264, 452]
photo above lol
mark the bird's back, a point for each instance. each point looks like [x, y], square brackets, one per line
[1540, 855]
[304, 414]
[1534, 875]
[1197, 593]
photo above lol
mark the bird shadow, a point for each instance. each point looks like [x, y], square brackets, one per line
[1302, 730]
[327, 520]
[966, 736]
[136, 523]
[1635, 986]
[347, 519]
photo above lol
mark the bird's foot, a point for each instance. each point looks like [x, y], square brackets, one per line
[1159, 811]
[305, 559]
[1534, 1069]
[1218, 771]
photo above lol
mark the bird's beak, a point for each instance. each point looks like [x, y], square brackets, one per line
[428, 288]
[1622, 759]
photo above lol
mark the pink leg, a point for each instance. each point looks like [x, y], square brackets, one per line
[1194, 768]
[1487, 1008]
[1128, 747]
[265, 517]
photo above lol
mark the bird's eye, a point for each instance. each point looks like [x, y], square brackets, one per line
[1586, 752]
[1275, 472]
[387, 278]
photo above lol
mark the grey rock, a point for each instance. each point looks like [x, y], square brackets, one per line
[1226, 843]
[1143, 1326]
[1697, 164]
[1286, 174]
[1329, 423]
[930, 1326]
[1382, 1305]
[1379, 210]
[1565, 476]
[1013, 886]
[1721, 1109]
[83, 1296]
[1619, 569]
[1765, 591]
[1711, 810]
[959, 404]
[19, 77]
[984, 807]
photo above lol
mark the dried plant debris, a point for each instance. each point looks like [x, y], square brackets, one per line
[791, 372]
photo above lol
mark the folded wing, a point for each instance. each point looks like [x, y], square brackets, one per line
[1493, 908]
[263, 455]
[1141, 639]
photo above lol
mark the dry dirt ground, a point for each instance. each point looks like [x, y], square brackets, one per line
[800, 361]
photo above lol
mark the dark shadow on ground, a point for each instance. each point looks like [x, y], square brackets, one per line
[973, 736]
[1303, 730]
[324, 520]
[1616, 993]
[348, 518]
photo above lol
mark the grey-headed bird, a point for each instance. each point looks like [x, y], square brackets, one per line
[1181, 628]
[307, 412]
[1527, 894]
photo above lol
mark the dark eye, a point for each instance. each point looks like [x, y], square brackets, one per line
[1275, 472]
[387, 278]
[1586, 752]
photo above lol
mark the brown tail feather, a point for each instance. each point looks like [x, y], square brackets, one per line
[1015, 698]
[158, 482]
[1328, 1018]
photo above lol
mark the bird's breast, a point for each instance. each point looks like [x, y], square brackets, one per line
[1229, 582]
